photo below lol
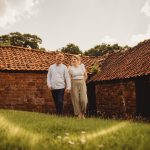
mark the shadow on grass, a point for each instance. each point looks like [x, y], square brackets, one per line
[20, 138]
[11, 131]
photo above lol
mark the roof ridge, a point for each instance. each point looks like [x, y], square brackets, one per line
[141, 43]
[29, 49]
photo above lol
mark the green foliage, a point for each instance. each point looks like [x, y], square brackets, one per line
[22, 130]
[71, 49]
[95, 69]
[100, 50]
[42, 49]
[22, 40]
[4, 40]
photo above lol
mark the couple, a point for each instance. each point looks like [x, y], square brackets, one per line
[61, 79]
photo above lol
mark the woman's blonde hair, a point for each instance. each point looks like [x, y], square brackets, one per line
[77, 57]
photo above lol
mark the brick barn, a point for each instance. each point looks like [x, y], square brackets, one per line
[122, 87]
[23, 75]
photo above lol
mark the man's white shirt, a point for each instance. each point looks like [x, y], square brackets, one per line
[58, 77]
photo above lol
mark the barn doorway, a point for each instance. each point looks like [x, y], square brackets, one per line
[91, 109]
[143, 96]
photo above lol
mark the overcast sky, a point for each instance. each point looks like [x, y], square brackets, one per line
[85, 23]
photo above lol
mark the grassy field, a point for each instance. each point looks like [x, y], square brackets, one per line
[34, 131]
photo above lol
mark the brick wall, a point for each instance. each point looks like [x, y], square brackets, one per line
[116, 99]
[28, 91]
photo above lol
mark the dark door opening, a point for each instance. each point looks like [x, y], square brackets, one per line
[143, 96]
[91, 110]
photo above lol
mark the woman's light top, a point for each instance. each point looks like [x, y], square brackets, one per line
[77, 72]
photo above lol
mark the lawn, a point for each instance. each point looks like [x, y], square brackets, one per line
[21, 130]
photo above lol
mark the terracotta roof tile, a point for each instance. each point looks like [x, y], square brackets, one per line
[18, 58]
[132, 63]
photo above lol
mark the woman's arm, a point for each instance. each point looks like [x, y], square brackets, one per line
[69, 71]
[84, 70]
[67, 79]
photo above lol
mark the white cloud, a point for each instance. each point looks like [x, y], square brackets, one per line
[146, 8]
[108, 40]
[13, 10]
[140, 37]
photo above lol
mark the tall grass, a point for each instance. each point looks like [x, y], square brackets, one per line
[34, 131]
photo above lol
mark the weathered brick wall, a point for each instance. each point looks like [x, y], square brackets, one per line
[116, 99]
[28, 91]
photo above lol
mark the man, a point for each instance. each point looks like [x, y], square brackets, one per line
[58, 81]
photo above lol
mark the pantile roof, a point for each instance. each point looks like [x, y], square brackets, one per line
[24, 59]
[132, 63]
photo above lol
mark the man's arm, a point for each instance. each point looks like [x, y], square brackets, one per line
[49, 78]
[67, 79]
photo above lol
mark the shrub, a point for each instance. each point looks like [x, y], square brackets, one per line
[95, 69]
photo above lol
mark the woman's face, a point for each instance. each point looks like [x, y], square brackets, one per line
[74, 61]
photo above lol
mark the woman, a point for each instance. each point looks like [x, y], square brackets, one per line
[78, 86]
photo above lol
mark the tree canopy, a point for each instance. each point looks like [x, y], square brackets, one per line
[71, 48]
[33, 41]
[22, 40]
[103, 49]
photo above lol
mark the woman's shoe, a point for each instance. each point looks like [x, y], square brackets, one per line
[83, 117]
[79, 116]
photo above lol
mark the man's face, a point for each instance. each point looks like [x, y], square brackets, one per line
[59, 59]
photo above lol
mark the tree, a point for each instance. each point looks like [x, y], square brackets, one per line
[22, 40]
[93, 51]
[4, 40]
[100, 50]
[72, 49]
[32, 41]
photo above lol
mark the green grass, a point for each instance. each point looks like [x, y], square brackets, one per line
[34, 131]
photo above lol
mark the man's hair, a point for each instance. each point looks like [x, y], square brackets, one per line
[60, 54]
